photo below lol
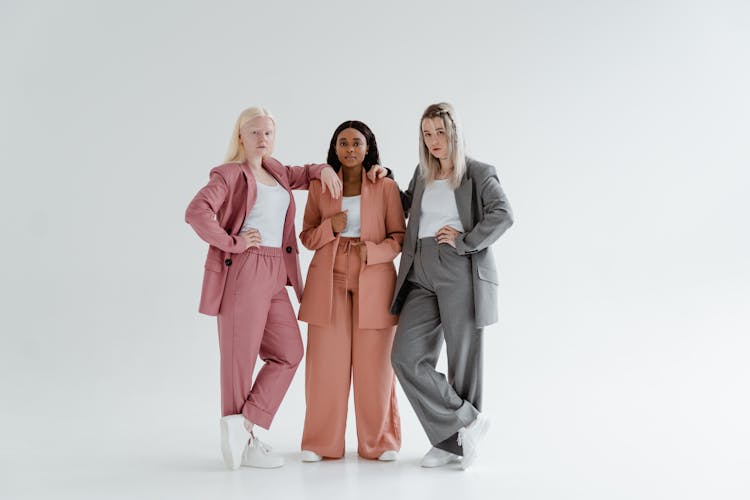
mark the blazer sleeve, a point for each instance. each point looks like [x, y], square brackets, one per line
[201, 215]
[497, 217]
[316, 231]
[395, 228]
[300, 177]
[408, 195]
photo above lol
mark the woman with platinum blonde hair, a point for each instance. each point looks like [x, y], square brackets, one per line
[446, 289]
[246, 215]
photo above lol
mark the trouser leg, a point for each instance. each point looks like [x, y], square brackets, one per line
[439, 306]
[375, 404]
[328, 376]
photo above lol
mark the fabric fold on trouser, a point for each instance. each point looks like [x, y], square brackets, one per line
[256, 319]
[341, 355]
[439, 306]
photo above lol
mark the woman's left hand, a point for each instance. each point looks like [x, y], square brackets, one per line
[376, 172]
[447, 234]
[331, 182]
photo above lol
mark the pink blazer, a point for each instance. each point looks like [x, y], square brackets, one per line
[382, 231]
[218, 211]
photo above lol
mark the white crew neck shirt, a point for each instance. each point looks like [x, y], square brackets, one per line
[268, 214]
[438, 209]
[353, 216]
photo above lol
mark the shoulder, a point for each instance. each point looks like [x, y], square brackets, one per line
[272, 163]
[314, 189]
[228, 171]
[479, 171]
[388, 185]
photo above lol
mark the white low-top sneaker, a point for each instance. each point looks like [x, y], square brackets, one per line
[437, 457]
[388, 456]
[259, 454]
[310, 456]
[469, 438]
[234, 438]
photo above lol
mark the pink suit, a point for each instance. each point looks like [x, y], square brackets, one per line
[246, 288]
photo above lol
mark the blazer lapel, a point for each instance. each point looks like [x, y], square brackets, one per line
[415, 212]
[463, 202]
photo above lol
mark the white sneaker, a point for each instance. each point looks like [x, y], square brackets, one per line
[388, 456]
[258, 454]
[310, 456]
[233, 440]
[469, 438]
[437, 457]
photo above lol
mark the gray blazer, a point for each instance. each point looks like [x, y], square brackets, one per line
[485, 214]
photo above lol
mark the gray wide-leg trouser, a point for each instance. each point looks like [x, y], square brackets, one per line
[440, 306]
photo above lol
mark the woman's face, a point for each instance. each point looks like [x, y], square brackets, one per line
[351, 147]
[258, 136]
[435, 137]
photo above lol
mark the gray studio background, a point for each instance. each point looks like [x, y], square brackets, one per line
[620, 133]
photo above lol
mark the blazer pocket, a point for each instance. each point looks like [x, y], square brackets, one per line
[487, 274]
[214, 265]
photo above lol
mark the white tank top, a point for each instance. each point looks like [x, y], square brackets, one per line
[268, 214]
[438, 209]
[353, 217]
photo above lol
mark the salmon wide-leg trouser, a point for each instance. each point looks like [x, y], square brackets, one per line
[256, 319]
[339, 354]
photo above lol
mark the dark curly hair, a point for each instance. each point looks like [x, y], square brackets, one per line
[372, 157]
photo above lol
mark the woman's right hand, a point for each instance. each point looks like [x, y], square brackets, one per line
[338, 222]
[251, 237]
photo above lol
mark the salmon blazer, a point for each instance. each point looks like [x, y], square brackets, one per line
[220, 208]
[382, 230]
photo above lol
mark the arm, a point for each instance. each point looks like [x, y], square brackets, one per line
[300, 177]
[395, 227]
[201, 215]
[408, 195]
[316, 232]
[496, 218]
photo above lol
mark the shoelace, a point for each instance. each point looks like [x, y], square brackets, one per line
[461, 434]
[263, 447]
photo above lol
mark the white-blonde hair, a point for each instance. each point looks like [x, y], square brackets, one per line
[429, 166]
[236, 152]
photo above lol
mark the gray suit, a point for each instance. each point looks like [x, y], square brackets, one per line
[448, 294]
[485, 214]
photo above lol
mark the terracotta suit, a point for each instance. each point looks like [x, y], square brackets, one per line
[347, 305]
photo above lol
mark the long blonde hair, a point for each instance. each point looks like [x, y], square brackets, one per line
[429, 166]
[236, 152]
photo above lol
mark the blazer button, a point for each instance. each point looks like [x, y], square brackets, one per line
[228, 262]
[288, 249]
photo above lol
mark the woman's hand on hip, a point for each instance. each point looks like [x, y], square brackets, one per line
[447, 234]
[251, 237]
[331, 182]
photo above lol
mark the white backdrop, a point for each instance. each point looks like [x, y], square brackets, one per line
[620, 133]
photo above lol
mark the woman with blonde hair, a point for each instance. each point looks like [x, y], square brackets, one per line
[246, 215]
[447, 286]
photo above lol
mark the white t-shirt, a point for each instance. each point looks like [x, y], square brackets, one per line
[438, 209]
[353, 224]
[268, 214]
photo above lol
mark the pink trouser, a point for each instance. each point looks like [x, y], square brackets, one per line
[256, 319]
[340, 353]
